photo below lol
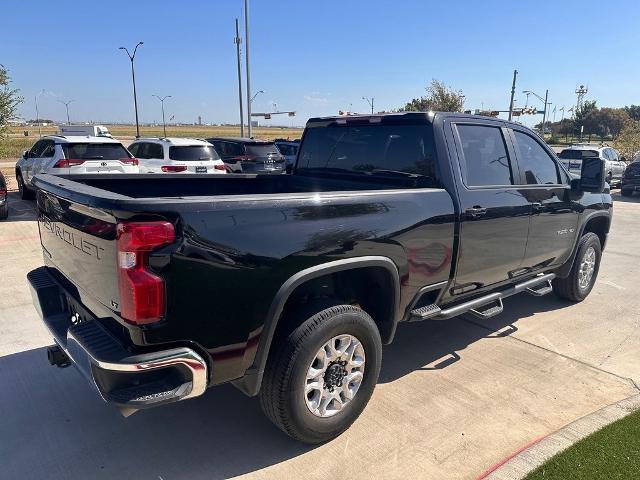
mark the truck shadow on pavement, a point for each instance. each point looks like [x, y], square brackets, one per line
[20, 210]
[434, 345]
[55, 426]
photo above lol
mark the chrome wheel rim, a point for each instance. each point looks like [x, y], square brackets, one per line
[334, 375]
[587, 268]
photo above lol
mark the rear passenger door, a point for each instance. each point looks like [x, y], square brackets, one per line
[494, 219]
[554, 216]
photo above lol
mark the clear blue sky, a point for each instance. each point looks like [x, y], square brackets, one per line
[315, 57]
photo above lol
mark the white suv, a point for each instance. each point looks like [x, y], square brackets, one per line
[614, 166]
[57, 154]
[176, 155]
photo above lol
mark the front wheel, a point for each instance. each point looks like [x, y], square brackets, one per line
[25, 193]
[320, 377]
[577, 286]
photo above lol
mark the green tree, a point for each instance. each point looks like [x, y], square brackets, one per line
[587, 107]
[628, 142]
[633, 111]
[606, 121]
[9, 100]
[440, 98]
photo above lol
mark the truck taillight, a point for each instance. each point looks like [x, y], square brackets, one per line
[220, 167]
[129, 161]
[66, 163]
[141, 291]
[173, 168]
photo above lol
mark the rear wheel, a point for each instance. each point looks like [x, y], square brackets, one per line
[577, 286]
[25, 193]
[320, 377]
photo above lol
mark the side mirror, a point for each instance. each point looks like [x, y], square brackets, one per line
[592, 175]
[25, 154]
[623, 158]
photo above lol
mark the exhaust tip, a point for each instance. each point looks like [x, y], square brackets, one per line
[57, 357]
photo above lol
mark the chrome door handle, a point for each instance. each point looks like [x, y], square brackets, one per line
[476, 212]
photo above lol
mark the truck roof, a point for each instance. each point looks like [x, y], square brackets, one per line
[401, 117]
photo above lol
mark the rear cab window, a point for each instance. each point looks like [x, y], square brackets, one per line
[486, 161]
[193, 153]
[375, 150]
[94, 151]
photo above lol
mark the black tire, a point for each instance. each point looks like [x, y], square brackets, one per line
[282, 395]
[4, 212]
[609, 179]
[626, 193]
[25, 193]
[569, 288]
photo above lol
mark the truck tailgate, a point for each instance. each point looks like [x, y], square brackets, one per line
[80, 243]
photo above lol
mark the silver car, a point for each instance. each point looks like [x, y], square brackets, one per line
[614, 165]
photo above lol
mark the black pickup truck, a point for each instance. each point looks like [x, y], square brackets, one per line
[157, 287]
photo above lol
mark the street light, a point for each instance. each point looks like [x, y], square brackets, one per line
[38, 113]
[370, 102]
[133, 77]
[544, 112]
[66, 104]
[254, 97]
[162, 99]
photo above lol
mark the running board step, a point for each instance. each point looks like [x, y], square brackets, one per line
[488, 310]
[424, 313]
[540, 290]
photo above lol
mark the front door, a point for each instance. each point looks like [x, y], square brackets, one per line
[554, 216]
[494, 220]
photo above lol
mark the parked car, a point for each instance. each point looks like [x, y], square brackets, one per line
[288, 285]
[84, 130]
[176, 155]
[614, 165]
[289, 150]
[4, 201]
[246, 155]
[72, 155]
[631, 179]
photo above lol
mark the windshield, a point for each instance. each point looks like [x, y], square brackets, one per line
[94, 151]
[578, 154]
[193, 153]
[378, 150]
[262, 149]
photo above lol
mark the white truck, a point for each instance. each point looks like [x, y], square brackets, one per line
[85, 130]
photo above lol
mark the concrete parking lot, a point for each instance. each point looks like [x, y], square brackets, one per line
[454, 397]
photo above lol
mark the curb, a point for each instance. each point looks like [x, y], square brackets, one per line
[526, 459]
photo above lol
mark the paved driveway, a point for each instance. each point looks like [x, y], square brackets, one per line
[454, 397]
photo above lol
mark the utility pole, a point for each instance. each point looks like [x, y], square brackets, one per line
[133, 77]
[544, 113]
[237, 41]
[513, 91]
[164, 125]
[246, 55]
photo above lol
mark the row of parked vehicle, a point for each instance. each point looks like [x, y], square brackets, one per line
[70, 152]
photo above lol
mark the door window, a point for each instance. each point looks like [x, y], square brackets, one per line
[133, 149]
[538, 166]
[485, 161]
[49, 149]
[37, 149]
[155, 150]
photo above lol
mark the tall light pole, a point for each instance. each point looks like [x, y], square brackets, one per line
[370, 102]
[66, 104]
[38, 113]
[237, 40]
[164, 125]
[545, 100]
[133, 77]
[246, 56]
[513, 91]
